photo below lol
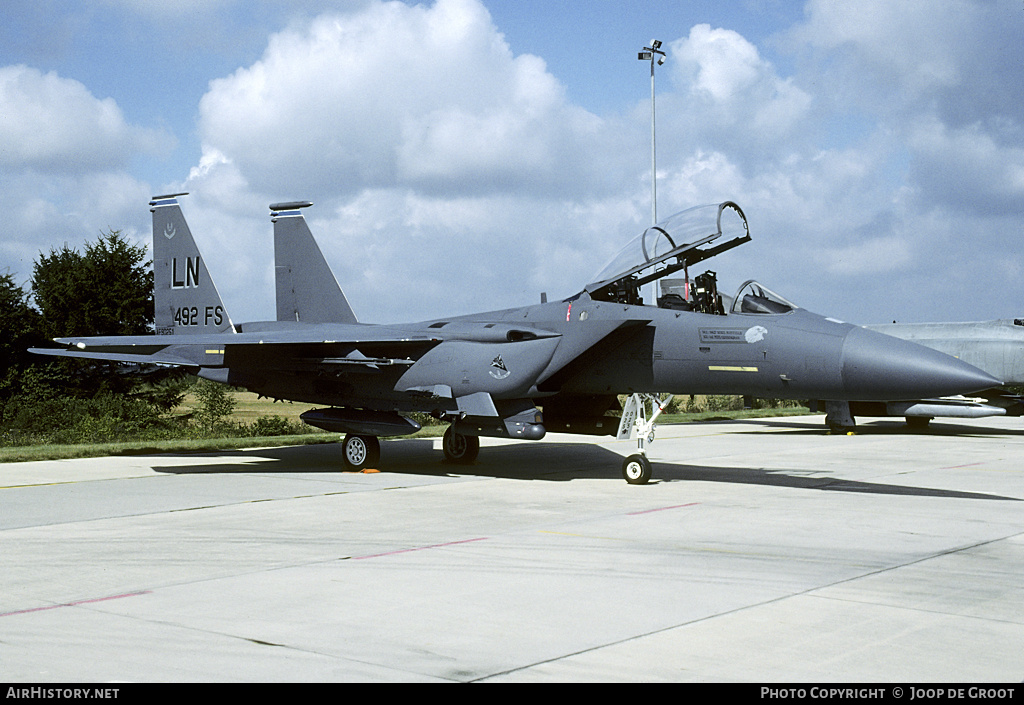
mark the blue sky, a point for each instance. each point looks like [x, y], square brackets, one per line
[469, 154]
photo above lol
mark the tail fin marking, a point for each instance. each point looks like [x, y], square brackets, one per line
[186, 299]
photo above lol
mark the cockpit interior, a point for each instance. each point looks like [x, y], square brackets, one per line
[673, 246]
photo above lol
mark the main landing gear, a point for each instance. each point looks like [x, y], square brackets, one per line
[459, 449]
[360, 452]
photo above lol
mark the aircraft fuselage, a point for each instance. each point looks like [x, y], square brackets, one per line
[587, 347]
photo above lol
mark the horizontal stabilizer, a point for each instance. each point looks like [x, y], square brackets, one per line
[131, 358]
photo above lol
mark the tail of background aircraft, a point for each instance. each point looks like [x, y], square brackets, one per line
[185, 296]
[307, 290]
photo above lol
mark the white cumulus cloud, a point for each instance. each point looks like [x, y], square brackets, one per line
[64, 160]
[730, 87]
[52, 123]
[392, 95]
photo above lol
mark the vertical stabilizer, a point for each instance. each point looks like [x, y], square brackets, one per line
[186, 298]
[307, 290]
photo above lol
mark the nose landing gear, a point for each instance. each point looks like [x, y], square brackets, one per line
[636, 468]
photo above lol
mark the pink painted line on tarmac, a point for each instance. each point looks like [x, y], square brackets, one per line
[663, 509]
[79, 602]
[419, 548]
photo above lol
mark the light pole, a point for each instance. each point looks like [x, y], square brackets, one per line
[653, 53]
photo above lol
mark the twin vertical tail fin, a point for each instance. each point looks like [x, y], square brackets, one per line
[187, 301]
[307, 290]
[186, 298]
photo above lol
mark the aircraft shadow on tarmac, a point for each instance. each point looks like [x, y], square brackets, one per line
[886, 427]
[552, 462]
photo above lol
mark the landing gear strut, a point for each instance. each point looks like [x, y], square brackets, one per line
[360, 452]
[636, 468]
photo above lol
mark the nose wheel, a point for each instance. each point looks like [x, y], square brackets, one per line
[636, 469]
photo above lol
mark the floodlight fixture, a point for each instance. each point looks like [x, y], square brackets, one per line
[652, 53]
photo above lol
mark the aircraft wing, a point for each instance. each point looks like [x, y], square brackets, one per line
[364, 346]
[275, 345]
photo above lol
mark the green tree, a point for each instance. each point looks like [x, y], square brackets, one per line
[20, 328]
[108, 290]
[215, 404]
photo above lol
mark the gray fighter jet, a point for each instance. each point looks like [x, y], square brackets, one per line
[519, 372]
[997, 347]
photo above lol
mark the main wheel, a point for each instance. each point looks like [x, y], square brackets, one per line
[918, 423]
[636, 469]
[360, 452]
[459, 448]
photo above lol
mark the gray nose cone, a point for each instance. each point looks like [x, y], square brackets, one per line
[878, 367]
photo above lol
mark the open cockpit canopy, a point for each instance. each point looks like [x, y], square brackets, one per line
[675, 243]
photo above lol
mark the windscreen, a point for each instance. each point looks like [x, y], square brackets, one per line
[754, 298]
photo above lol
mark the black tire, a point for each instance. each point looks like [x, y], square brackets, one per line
[918, 423]
[360, 452]
[460, 449]
[636, 469]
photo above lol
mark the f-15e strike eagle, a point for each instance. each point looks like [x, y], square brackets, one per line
[519, 372]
